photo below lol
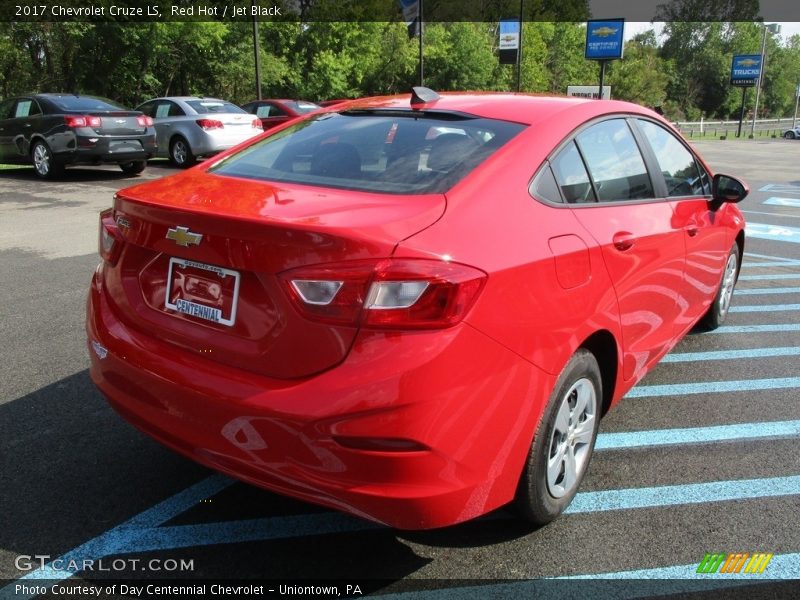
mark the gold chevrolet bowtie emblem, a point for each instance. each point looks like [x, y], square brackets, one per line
[183, 237]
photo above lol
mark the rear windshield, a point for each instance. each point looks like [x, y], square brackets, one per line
[301, 107]
[397, 152]
[214, 106]
[84, 103]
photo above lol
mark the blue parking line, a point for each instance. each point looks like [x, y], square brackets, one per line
[765, 291]
[779, 233]
[119, 539]
[775, 201]
[746, 308]
[773, 277]
[780, 188]
[770, 214]
[712, 387]
[770, 328]
[676, 357]
[697, 435]
[749, 254]
[689, 493]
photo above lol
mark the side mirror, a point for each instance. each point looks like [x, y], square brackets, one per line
[725, 188]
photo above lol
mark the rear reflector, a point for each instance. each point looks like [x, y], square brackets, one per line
[380, 444]
[110, 241]
[385, 294]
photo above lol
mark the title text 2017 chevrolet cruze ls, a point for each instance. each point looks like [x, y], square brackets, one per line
[416, 309]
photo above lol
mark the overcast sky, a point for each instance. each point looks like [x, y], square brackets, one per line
[632, 28]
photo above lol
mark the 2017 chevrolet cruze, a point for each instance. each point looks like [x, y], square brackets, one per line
[416, 309]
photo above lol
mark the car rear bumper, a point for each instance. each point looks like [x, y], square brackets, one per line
[99, 149]
[217, 140]
[461, 408]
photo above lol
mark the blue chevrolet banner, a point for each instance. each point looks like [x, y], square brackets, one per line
[604, 39]
[745, 69]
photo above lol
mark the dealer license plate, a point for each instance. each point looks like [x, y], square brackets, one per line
[202, 291]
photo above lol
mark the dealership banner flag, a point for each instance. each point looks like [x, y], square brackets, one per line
[411, 16]
[509, 41]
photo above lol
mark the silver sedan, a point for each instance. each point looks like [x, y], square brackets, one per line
[792, 134]
[188, 127]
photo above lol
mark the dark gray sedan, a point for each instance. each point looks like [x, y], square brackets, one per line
[52, 131]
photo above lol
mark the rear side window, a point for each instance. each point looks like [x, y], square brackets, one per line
[268, 110]
[400, 152]
[84, 103]
[571, 176]
[301, 107]
[203, 107]
[614, 162]
[675, 162]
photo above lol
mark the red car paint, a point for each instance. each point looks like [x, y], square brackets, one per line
[414, 427]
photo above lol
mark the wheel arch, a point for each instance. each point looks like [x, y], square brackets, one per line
[603, 345]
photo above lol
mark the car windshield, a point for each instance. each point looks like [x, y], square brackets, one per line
[202, 107]
[400, 152]
[302, 107]
[84, 103]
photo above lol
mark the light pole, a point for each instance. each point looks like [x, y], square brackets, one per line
[774, 28]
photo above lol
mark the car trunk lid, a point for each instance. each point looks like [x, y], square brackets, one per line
[202, 255]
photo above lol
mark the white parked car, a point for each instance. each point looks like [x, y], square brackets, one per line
[792, 134]
[188, 127]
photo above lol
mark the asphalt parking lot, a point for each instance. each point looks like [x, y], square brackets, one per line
[701, 457]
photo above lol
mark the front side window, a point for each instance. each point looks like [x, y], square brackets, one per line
[675, 162]
[401, 152]
[614, 162]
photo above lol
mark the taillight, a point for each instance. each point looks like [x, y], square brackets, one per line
[83, 121]
[110, 242]
[257, 124]
[210, 123]
[386, 294]
[144, 121]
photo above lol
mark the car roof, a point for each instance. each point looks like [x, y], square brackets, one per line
[185, 98]
[507, 106]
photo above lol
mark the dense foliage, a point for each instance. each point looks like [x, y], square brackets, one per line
[686, 73]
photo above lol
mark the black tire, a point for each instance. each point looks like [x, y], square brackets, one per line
[180, 153]
[44, 164]
[543, 493]
[718, 310]
[134, 167]
[789, 135]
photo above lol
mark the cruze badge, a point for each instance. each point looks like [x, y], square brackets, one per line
[183, 237]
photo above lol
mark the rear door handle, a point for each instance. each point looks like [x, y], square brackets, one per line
[623, 240]
[691, 230]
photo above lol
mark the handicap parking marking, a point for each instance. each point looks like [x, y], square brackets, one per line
[775, 201]
[780, 188]
[778, 233]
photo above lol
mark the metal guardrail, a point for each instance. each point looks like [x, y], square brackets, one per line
[764, 128]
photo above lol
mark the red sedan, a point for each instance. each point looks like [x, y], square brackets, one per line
[415, 309]
[276, 112]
